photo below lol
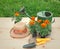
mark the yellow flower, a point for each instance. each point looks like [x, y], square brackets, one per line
[32, 22]
[17, 14]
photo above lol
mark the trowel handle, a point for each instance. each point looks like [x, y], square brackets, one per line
[30, 45]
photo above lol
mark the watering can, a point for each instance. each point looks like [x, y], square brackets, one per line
[45, 15]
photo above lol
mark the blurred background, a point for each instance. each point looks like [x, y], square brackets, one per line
[9, 7]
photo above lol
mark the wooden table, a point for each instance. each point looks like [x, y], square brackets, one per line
[7, 42]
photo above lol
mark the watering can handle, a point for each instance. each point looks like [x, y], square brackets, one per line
[53, 21]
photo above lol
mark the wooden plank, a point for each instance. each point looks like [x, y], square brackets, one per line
[7, 42]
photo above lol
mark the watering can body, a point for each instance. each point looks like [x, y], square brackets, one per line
[45, 15]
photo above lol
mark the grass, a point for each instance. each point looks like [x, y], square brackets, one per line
[9, 7]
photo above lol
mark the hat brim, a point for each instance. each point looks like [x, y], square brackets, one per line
[12, 34]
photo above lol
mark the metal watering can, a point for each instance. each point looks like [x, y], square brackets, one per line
[45, 15]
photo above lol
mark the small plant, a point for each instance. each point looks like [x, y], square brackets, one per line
[40, 26]
[19, 14]
[17, 17]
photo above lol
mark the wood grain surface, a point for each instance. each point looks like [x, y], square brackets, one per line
[7, 42]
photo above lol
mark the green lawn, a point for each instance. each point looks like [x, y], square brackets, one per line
[9, 7]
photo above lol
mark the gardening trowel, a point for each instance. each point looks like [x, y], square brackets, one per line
[39, 41]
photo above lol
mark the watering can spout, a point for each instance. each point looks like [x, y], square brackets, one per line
[22, 10]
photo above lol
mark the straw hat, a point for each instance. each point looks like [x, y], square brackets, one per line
[21, 34]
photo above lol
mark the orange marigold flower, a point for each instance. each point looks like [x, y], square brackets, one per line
[43, 25]
[39, 21]
[17, 14]
[32, 22]
[46, 21]
[32, 18]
